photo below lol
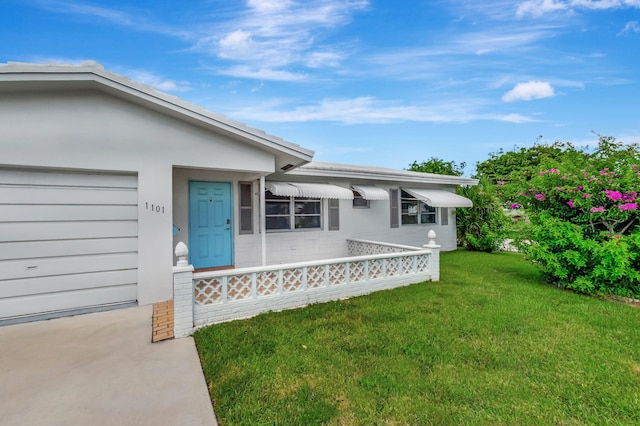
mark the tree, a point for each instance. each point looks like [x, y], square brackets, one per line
[438, 166]
[505, 166]
[484, 226]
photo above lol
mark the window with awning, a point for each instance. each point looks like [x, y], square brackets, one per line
[293, 205]
[309, 190]
[439, 198]
[369, 192]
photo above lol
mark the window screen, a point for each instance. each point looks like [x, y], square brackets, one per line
[394, 212]
[334, 215]
[444, 216]
[246, 207]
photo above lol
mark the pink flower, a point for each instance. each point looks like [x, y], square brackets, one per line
[597, 209]
[628, 206]
[500, 183]
[587, 195]
[514, 206]
[570, 203]
[613, 195]
[579, 187]
[539, 197]
[630, 196]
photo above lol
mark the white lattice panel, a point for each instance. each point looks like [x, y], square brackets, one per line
[337, 274]
[357, 271]
[239, 287]
[407, 265]
[423, 263]
[292, 280]
[315, 276]
[266, 283]
[393, 267]
[358, 248]
[207, 292]
[375, 269]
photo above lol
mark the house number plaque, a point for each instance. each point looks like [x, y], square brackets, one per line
[154, 208]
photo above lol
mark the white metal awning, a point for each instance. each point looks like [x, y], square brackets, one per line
[309, 190]
[439, 198]
[369, 192]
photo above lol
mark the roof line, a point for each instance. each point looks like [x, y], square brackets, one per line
[141, 90]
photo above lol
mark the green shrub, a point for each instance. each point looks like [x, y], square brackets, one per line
[483, 227]
[584, 219]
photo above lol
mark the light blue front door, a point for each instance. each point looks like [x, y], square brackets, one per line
[210, 224]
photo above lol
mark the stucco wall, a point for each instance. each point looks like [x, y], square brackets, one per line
[96, 131]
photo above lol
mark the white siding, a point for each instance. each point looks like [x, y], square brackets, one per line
[68, 241]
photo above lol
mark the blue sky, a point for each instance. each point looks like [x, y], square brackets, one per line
[373, 82]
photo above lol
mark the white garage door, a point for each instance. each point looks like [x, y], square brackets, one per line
[68, 242]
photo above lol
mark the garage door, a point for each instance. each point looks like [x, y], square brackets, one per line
[68, 243]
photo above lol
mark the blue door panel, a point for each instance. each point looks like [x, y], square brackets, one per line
[210, 224]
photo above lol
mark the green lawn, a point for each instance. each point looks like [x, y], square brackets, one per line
[488, 344]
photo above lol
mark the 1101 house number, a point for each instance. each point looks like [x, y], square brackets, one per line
[154, 208]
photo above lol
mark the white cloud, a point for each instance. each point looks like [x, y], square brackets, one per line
[113, 15]
[322, 59]
[514, 118]
[155, 81]
[538, 8]
[367, 109]
[257, 73]
[272, 34]
[630, 27]
[529, 91]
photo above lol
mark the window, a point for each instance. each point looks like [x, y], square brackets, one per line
[415, 211]
[246, 207]
[288, 213]
[359, 202]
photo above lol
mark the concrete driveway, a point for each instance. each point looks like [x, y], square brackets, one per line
[99, 369]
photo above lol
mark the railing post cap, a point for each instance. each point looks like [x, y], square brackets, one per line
[182, 251]
[431, 234]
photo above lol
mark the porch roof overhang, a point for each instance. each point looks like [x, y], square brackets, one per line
[439, 198]
[370, 192]
[309, 190]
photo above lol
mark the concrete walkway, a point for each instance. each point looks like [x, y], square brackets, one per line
[99, 369]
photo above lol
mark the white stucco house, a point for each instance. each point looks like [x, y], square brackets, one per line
[101, 177]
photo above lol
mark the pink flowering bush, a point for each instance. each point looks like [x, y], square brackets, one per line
[585, 220]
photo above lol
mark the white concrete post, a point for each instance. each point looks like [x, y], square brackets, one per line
[182, 293]
[435, 255]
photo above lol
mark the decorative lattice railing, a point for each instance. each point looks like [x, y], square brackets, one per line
[240, 293]
[366, 247]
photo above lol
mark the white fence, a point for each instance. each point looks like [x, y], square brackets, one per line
[212, 297]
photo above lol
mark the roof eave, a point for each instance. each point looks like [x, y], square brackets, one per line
[381, 175]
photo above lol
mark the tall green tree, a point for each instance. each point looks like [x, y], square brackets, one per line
[438, 166]
[504, 166]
